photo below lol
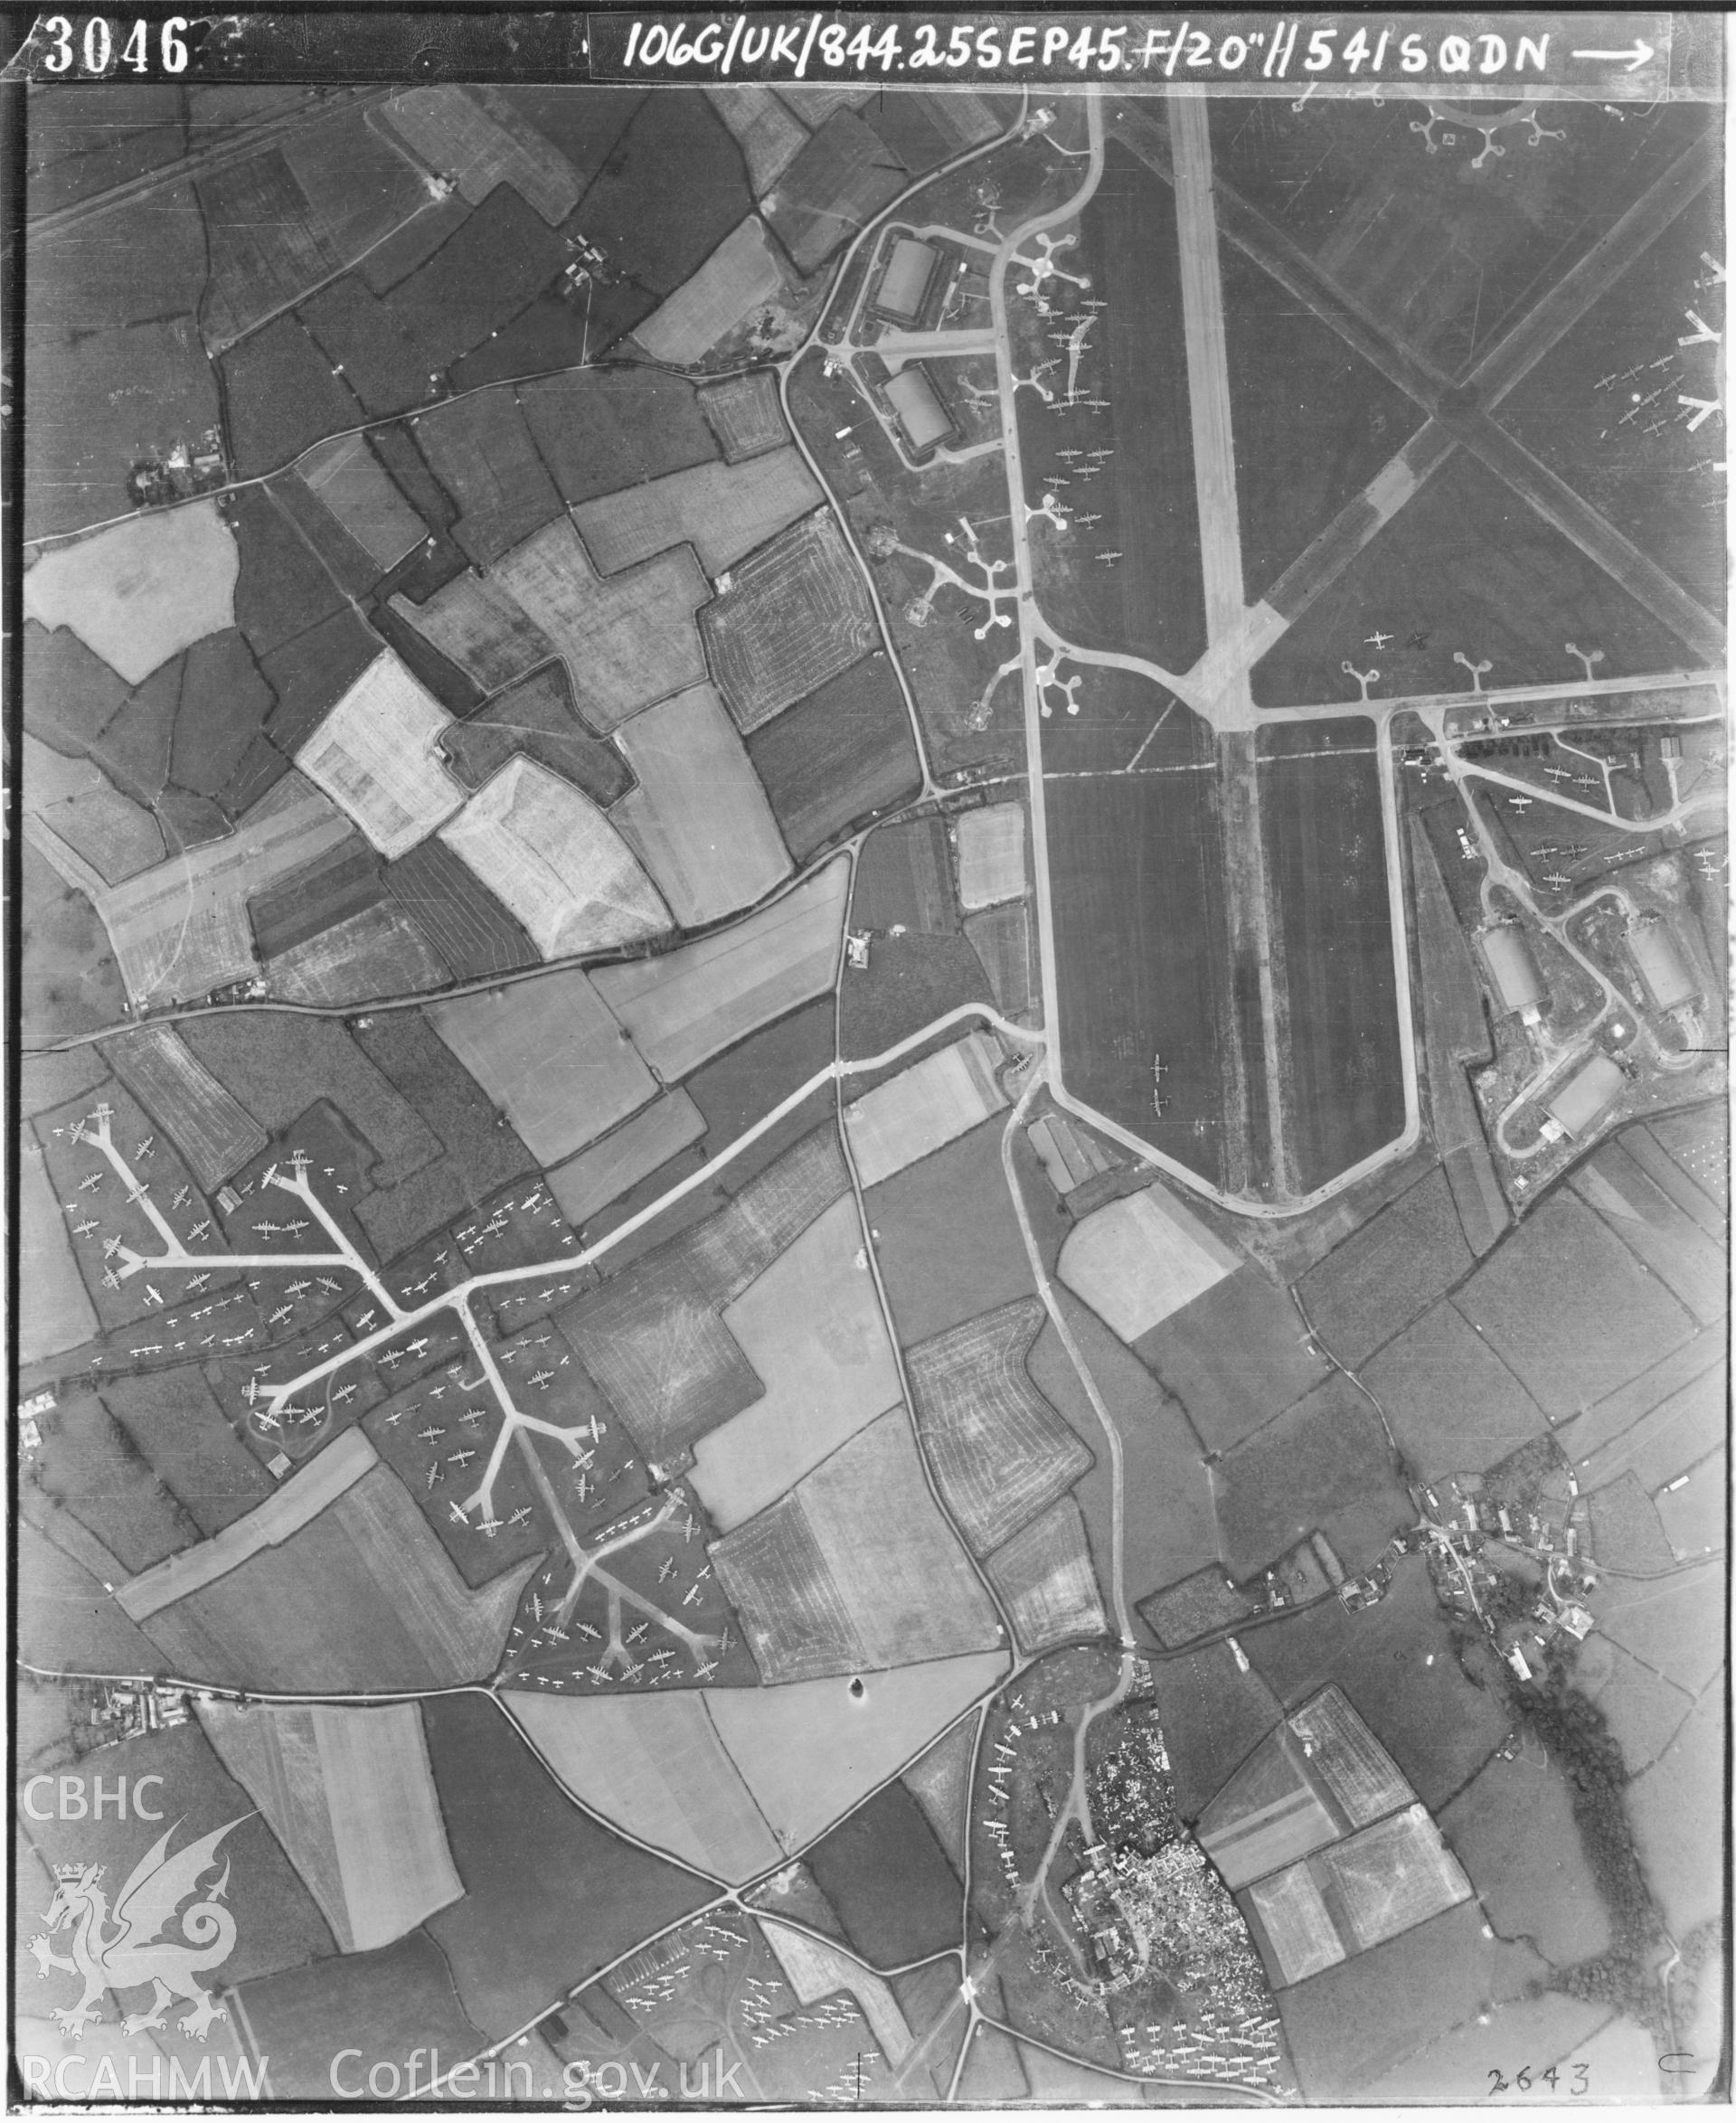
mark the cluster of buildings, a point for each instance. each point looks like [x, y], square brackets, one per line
[189, 469]
[1519, 1572]
[131, 1710]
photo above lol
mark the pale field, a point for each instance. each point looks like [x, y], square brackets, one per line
[143, 590]
[940, 1098]
[1139, 1258]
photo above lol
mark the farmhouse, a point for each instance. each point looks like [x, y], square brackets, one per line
[904, 284]
[1578, 1103]
[1518, 985]
[917, 408]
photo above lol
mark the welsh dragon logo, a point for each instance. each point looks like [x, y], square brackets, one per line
[124, 1948]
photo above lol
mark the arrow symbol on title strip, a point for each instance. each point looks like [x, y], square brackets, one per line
[1635, 54]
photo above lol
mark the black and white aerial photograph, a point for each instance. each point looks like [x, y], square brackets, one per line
[867, 940]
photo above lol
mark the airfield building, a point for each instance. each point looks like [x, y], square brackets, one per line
[1506, 952]
[905, 283]
[1578, 1103]
[1657, 959]
[917, 406]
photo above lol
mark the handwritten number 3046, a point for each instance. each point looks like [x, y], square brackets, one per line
[1522, 2082]
[96, 51]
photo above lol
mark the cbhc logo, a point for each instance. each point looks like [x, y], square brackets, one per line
[69, 1800]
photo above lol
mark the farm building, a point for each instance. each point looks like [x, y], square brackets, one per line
[555, 863]
[921, 416]
[374, 754]
[1657, 959]
[904, 284]
[1506, 952]
[1580, 1101]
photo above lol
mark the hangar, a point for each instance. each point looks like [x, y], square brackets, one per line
[921, 414]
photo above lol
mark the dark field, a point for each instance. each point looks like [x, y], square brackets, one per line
[889, 1880]
[1468, 566]
[385, 2004]
[90, 1466]
[669, 193]
[309, 674]
[843, 753]
[1432, 1720]
[1325, 1464]
[560, 329]
[1454, 1406]
[607, 428]
[551, 1894]
[1153, 602]
[1441, 256]
[1213, 1717]
[744, 1083]
[1313, 420]
[280, 396]
[1376, 1281]
[537, 717]
[224, 702]
[481, 452]
[1641, 469]
[1234, 1358]
[910, 981]
[469, 928]
[68, 979]
[932, 1281]
[1141, 946]
[1325, 858]
[281, 590]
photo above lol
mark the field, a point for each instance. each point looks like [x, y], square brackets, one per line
[840, 179]
[68, 979]
[628, 641]
[745, 412]
[909, 982]
[343, 881]
[945, 1095]
[793, 615]
[741, 1086]
[88, 1467]
[818, 1593]
[1395, 1664]
[786, 1741]
[655, 1767]
[843, 754]
[689, 1005]
[1142, 946]
[528, 1857]
[481, 452]
[181, 929]
[1674, 1805]
[1325, 1464]
[1565, 1303]
[904, 880]
[384, 2005]
[115, 836]
[537, 717]
[723, 511]
[1153, 603]
[379, 952]
[770, 1211]
[655, 1345]
[1667, 1237]
[277, 1924]
[55, 1313]
[375, 754]
[698, 820]
[1141, 1257]
[1441, 257]
[143, 591]
[628, 1154]
[1453, 1405]
[282, 397]
[104, 393]
[890, 1881]
[1347, 2027]
[478, 139]
[282, 590]
[603, 428]
[1325, 860]
[767, 135]
[810, 1327]
[999, 1452]
[1641, 480]
[741, 276]
[1465, 565]
[548, 1053]
[932, 1282]
[556, 863]
[1513, 1832]
[66, 1622]
[1375, 1282]
[672, 188]
[214, 1132]
[318, 1612]
[991, 857]
[223, 703]
[1045, 1577]
[349, 1796]
[1314, 421]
